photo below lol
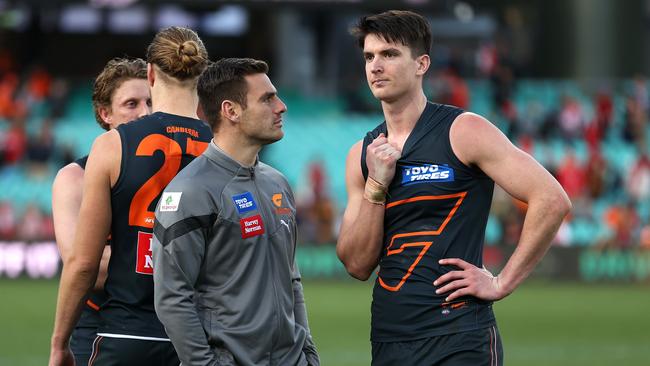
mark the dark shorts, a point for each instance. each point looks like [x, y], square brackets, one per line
[108, 351]
[480, 347]
[81, 344]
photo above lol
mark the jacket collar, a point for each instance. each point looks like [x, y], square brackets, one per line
[218, 156]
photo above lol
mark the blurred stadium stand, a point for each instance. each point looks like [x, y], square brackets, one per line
[321, 129]
[582, 112]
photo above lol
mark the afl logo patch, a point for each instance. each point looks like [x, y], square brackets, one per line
[426, 173]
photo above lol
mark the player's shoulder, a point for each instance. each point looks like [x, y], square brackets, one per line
[198, 178]
[105, 141]
[472, 127]
[474, 138]
[70, 174]
[353, 160]
[193, 178]
[355, 149]
[106, 149]
[185, 197]
[275, 182]
[471, 118]
[272, 173]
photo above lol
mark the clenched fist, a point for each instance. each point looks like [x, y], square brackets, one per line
[381, 159]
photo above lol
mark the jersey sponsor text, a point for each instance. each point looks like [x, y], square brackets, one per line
[190, 131]
[427, 173]
[244, 202]
[144, 261]
[251, 226]
[170, 201]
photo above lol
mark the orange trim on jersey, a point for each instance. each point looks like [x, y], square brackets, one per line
[92, 305]
[426, 198]
[426, 245]
[460, 196]
[454, 305]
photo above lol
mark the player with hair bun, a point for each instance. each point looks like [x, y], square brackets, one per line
[127, 169]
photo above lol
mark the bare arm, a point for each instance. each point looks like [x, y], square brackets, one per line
[80, 271]
[362, 228]
[476, 141]
[66, 201]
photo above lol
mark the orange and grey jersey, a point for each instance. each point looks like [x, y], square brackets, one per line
[437, 207]
[226, 281]
[154, 149]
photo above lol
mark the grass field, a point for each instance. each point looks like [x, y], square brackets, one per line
[541, 324]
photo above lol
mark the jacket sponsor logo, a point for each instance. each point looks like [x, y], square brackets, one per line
[426, 173]
[169, 201]
[144, 261]
[244, 202]
[251, 226]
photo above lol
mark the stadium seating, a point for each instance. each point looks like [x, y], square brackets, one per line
[319, 129]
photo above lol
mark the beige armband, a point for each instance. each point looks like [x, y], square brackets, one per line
[375, 192]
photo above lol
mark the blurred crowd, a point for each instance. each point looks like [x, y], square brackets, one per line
[31, 101]
[610, 190]
[611, 198]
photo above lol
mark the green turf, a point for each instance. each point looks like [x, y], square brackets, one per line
[339, 317]
[26, 318]
[541, 324]
[576, 325]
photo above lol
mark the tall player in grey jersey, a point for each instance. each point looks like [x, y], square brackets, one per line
[227, 287]
[120, 94]
[441, 209]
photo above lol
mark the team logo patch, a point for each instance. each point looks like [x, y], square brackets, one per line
[446, 308]
[244, 202]
[426, 173]
[169, 201]
[251, 226]
[277, 199]
[144, 261]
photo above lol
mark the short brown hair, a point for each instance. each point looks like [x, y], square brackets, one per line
[224, 80]
[397, 26]
[178, 52]
[116, 71]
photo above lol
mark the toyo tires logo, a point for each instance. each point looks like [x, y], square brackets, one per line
[426, 173]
